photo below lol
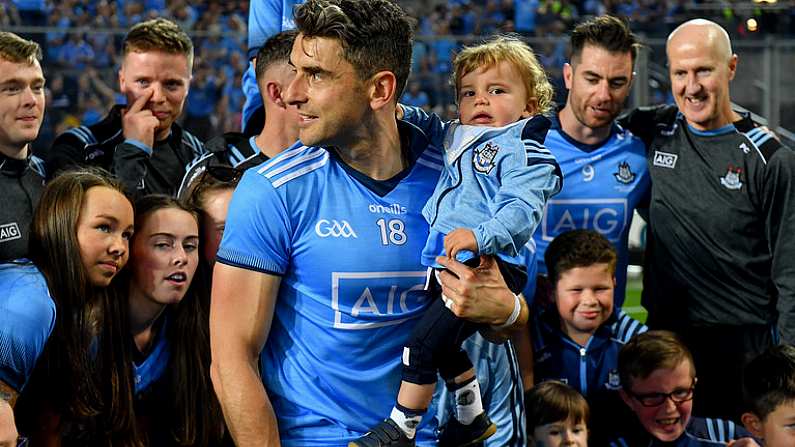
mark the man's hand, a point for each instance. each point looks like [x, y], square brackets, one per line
[8, 428]
[460, 239]
[139, 123]
[478, 294]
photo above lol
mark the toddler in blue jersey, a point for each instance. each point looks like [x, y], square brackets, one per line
[577, 339]
[557, 415]
[496, 179]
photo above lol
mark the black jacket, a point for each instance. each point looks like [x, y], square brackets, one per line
[21, 183]
[103, 144]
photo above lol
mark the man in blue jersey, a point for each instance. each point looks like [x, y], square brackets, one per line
[265, 18]
[604, 166]
[321, 252]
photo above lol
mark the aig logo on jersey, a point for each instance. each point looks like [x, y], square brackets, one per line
[9, 232]
[334, 228]
[483, 160]
[665, 159]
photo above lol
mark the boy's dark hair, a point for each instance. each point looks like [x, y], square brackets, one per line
[608, 32]
[554, 401]
[647, 352]
[578, 248]
[375, 35]
[769, 380]
[275, 50]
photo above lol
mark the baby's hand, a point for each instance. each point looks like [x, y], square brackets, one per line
[460, 239]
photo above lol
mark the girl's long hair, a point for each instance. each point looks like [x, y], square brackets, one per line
[84, 374]
[191, 411]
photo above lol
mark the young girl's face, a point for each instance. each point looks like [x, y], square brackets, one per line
[104, 228]
[494, 96]
[165, 254]
[561, 433]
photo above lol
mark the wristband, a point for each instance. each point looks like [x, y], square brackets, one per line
[517, 308]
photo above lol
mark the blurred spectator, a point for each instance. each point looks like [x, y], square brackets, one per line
[414, 96]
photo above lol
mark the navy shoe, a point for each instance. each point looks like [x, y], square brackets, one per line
[456, 434]
[385, 434]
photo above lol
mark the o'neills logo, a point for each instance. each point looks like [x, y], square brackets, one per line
[394, 208]
[9, 232]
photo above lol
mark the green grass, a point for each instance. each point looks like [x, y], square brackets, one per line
[632, 301]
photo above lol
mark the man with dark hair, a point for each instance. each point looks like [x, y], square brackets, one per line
[721, 270]
[21, 113]
[604, 166]
[321, 253]
[239, 151]
[141, 142]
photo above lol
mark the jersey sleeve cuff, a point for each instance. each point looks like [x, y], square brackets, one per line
[140, 145]
[249, 262]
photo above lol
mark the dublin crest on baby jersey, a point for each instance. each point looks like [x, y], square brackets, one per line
[483, 159]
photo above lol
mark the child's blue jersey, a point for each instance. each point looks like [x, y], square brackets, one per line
[602, 186]
[27, 318]
[152, 368]
[700, 432]
[587, 369]
[351, 285]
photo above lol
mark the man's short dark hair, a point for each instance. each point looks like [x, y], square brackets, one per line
[158, 35]
[769, 380]
[375, 35]
[578, 248]
[647, 352]
[275, 50]
[608, 32]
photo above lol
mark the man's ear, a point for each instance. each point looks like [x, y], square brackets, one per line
[568, 72]
[753, 424]
[382, 90]
[273, 93]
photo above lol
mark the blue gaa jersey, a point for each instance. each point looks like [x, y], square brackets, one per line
[351, 285]
[602, 186]
[27, 318]
[152, 368]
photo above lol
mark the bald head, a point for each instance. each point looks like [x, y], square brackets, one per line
[701, 65]
[701, 32]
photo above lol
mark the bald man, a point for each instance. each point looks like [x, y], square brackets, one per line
[721, 262]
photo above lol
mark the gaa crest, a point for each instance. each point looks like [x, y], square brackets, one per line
[483, 159]
[624, 174]
[732, 178]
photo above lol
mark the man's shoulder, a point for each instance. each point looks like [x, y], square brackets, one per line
[649, 122]
[762, 140]
[98, 134]
[294, 165]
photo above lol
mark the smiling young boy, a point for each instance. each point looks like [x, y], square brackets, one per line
[578, 339]
[658, 379]
[496, 178]
[769, 389]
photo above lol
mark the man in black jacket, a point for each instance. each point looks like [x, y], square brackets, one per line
[21, 112]
[141, 142]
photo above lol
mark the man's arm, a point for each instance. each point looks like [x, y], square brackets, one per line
[780, 209]
[8, 428]
[480, 295]
[241, 313]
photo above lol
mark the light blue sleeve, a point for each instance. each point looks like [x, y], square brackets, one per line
[501, 389]
[27, 318]
[258, 232]
[266, 18]
[626, 327]
[430, 123]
